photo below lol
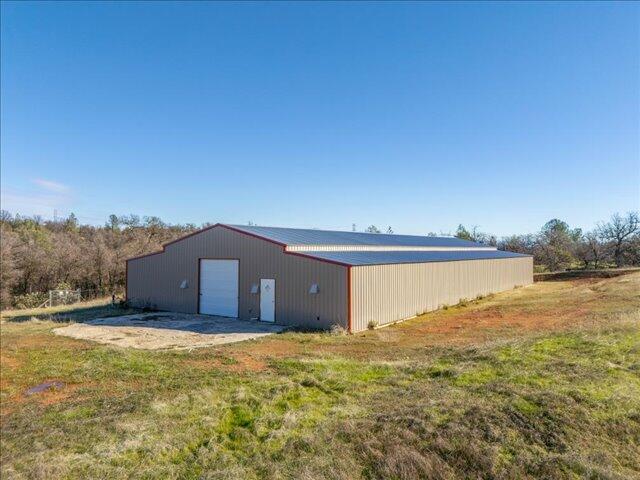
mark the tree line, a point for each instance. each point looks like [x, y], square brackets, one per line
[557, 246]
[39, 255]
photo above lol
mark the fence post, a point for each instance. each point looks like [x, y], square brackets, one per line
[50, 298]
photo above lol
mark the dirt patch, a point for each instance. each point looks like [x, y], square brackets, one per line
[247, 363]
[275, 348]
[48, 396]
[9, 362]
[239, 363]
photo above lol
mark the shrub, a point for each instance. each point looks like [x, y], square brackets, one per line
[372, 324]
[337, 330]
[30, 300]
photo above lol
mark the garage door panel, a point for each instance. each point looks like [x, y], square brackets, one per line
[219, 287]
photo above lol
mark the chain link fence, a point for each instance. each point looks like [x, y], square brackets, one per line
[54, 298]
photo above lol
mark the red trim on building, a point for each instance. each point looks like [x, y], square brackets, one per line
[190, 235]
[304, 255]
[238, 230]
[249, 234]
[349, 298]
[146, 255]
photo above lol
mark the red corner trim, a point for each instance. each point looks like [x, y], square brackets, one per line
[349, 329]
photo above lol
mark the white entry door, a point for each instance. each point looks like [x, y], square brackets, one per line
[267, 300]
[219, 287]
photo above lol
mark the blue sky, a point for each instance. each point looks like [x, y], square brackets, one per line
[415, 115]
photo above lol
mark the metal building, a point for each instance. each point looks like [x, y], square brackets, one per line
[317, 278]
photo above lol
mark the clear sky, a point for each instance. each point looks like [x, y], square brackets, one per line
[415, 115]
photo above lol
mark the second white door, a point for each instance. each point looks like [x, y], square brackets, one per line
[267, 300]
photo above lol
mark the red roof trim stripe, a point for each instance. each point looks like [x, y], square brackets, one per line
[237, 230]
[233, 229]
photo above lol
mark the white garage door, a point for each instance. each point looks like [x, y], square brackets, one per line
[219, 287]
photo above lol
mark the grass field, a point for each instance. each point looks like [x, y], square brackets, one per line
[539, 382]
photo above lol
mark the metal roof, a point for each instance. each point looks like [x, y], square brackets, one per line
[390, 257]
[302, 236]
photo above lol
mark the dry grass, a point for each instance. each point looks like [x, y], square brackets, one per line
[78, 312]
[540, 382]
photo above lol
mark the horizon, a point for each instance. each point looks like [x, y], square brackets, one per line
[206, 225]
[416, 116]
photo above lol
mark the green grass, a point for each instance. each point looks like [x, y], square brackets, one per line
[559, 404]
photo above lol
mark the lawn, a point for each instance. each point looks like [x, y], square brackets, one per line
[539, 382]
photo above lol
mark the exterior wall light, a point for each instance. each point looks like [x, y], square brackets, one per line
[314, 289]
[255, 288]
[184, 284]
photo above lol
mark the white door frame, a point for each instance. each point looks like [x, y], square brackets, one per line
[268, 300]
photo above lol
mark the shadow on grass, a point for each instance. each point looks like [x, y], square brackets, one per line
[77, 314]
[575, 274]
[190, 323]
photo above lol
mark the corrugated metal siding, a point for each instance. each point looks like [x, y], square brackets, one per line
[388, 293]
[155, 280]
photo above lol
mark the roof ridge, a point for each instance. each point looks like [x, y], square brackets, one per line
[342, 231]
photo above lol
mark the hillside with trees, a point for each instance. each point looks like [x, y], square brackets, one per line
[39, 255]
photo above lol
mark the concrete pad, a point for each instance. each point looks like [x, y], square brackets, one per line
[166, 330]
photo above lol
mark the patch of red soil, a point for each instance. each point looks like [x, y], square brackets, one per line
[242, 362]
[9, 362]
[247, 363]
[44, 398]
[273, 347]
[57, 395]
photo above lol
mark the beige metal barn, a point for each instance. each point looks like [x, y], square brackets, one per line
[317, 278]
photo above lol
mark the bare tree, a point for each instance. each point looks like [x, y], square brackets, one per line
[590, 250]
[632, 253]
[475, 235]
[8, 272]
[372, 229]
[618, 231]
[518, 244]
